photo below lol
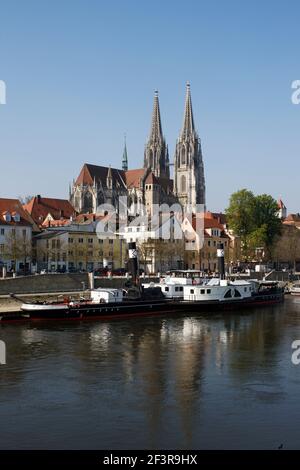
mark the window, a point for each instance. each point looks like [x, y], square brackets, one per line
[183, 184]
[191, 291]
[24, 233]
[2, 231]
[237, 293]
[228, 294]
[70, 240]
[53, 244]
[111, 242]
[181, 289]
[208, 291]
[166, 289]
[90, 240]
[13, 232]
[208, 243]
[100, 241]
[110, 253]
[183, 156]
[2, 248]
[202, 291]
[80, 240]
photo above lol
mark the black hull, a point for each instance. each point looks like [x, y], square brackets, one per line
[141, 308]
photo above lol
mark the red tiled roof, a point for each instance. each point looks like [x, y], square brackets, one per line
[292, 220]
[133, 177]
[209, 221]
[220, 217]
[88, 218]
[56, 223]
[13, 206]
[39, 207]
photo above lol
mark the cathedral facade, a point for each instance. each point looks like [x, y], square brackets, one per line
[151, 185]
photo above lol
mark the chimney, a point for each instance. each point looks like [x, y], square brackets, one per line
[133, 261]
[221, 262]
[38, 198]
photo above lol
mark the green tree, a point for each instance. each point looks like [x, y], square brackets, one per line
[240, 215]
[254, 219]
[267, 220]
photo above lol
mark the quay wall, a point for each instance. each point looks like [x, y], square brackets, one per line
[47, 283]
[44, 283]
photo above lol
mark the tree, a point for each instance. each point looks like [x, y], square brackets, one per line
[254, 219]
[266, 220]
[18, 247]
[240, 215]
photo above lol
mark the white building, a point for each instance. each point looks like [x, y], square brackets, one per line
[15, 237]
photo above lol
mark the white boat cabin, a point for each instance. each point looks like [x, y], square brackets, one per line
[170, 290]
[218, 289]
[108, 295]
[184, 277]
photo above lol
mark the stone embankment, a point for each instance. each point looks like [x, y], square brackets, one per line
[46, 287]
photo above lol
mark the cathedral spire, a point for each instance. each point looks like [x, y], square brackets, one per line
[155, 156]
[156, 130]
[188, 162]
[188, 128]
[125, 157]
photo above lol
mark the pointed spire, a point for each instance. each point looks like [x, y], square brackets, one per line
[156, 130]
[109, 178]
[125, 157]
[188, 127]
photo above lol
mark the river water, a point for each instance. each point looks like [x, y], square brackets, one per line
[214, 381]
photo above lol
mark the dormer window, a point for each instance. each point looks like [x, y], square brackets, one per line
[7, 216]
[16, 217]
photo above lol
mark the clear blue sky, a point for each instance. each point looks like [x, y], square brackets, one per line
[80, 74]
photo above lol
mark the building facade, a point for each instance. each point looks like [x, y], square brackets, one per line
[16, 228]
[77, 247]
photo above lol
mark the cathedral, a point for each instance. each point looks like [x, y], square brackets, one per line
[152, 184]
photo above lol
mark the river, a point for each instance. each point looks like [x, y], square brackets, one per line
[214, 381]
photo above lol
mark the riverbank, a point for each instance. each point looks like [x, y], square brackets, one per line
[9, 304]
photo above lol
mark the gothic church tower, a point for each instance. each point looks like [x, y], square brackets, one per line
[156, 157]
[189, 170]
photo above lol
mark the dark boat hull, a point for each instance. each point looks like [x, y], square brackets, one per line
[142, 308]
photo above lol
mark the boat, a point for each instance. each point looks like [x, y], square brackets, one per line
[223, 294]
[172, 295]
[295, 289]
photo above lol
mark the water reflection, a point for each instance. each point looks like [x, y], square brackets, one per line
[152, 382]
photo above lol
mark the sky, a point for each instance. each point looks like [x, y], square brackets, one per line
[80, 74]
